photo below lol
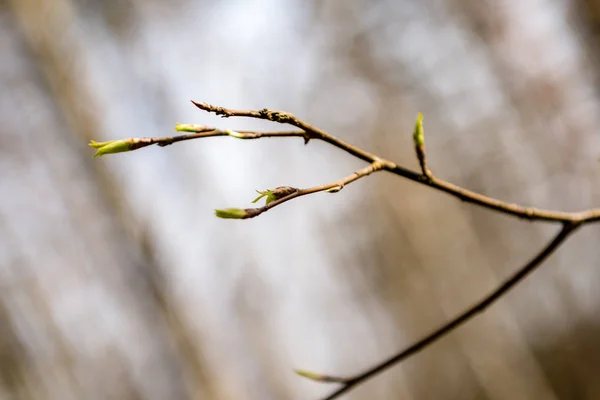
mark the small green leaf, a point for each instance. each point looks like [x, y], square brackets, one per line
[231, 213]
[259, 197]
[269, 194]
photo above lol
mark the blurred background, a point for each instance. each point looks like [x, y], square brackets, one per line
[118, 282]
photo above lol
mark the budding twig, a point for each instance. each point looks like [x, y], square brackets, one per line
[530, 213]
[286, 118]
[570, 220]
[287, 193]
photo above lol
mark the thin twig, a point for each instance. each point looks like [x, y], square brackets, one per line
[290, 119]
[199, 132]
[293, 193]
[472, 311]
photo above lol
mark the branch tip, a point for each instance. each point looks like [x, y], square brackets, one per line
[118, 146]
[232, 213]
[319, 377]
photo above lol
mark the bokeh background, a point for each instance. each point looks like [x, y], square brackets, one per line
[117, 281]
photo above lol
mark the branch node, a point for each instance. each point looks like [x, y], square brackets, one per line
[119, 146]
[165, 142]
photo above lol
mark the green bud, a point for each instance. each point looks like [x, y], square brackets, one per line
[275, 194]
[418, 135]
[319, 377]
[113, 146]
[231, 213]
[309, 375]
[189, 128]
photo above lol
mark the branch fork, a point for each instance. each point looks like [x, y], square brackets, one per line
[570, 221]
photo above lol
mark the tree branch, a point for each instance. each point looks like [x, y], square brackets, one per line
[530, 213]
[290, 119]
[482, 305]
[286, 193]
[570, 220]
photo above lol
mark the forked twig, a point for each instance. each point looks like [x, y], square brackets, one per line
[286, 193]
[570, 221]
[531, 213]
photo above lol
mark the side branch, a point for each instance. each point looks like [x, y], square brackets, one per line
[286, 193]
[471, 312]
[287, 118]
